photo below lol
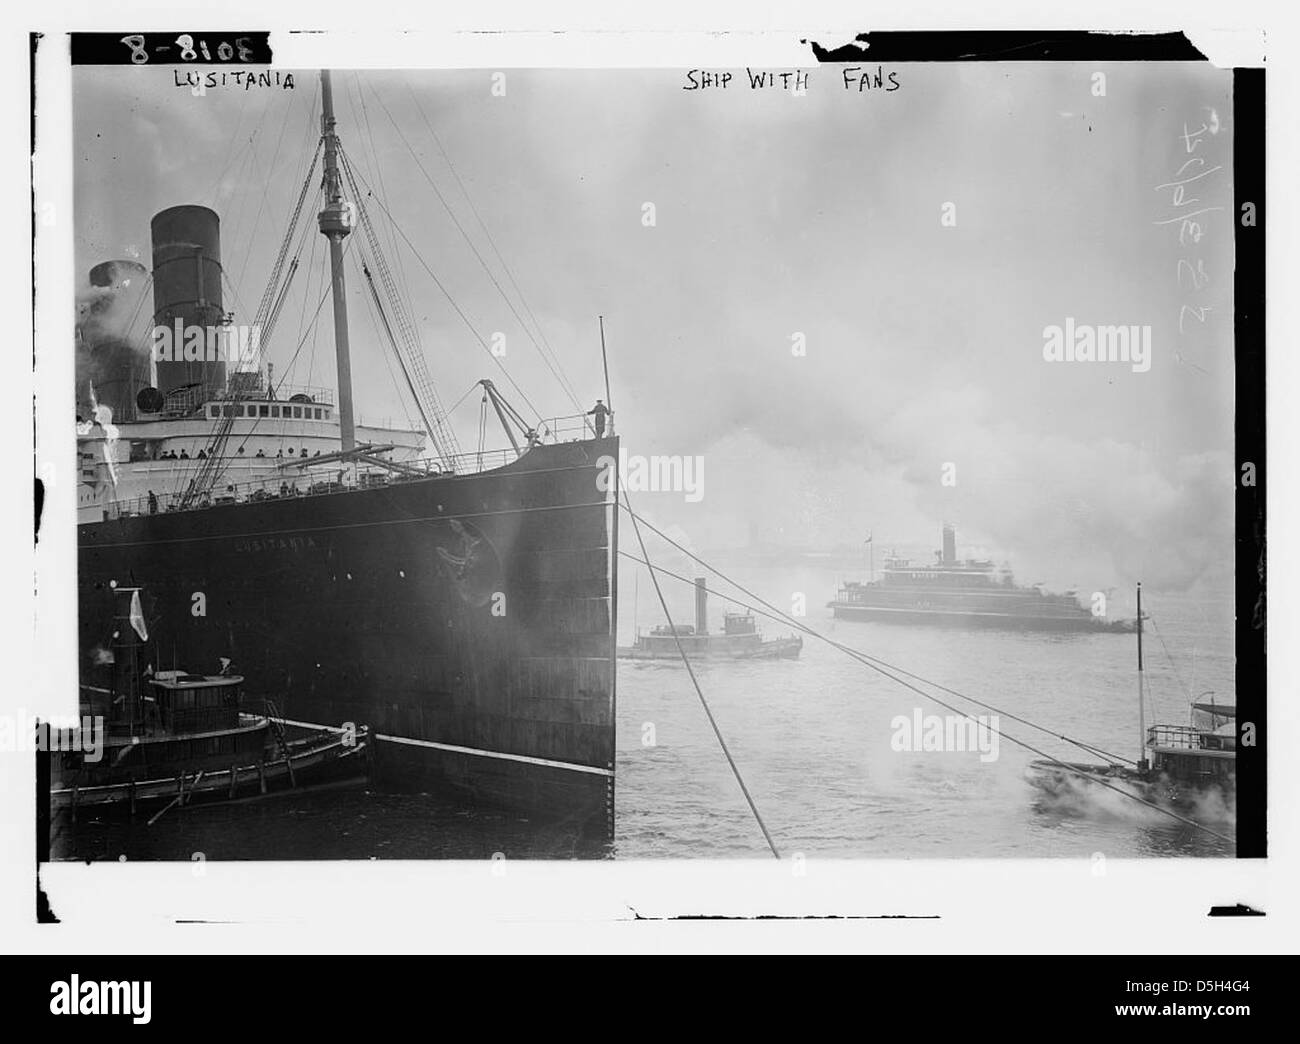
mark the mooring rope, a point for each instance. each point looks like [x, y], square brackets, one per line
[695, 681]
[866, 661]
[779, 617]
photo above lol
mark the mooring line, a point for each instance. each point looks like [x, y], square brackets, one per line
[866, 661]
[779, 617]
[695, 681]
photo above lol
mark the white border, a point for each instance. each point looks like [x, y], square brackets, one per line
[998, 906]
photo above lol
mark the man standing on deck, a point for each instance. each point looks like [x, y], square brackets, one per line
[153, 503]
[600, 411]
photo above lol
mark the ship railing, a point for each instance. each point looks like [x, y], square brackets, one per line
[319, 395]
[572, 428]
[181, 402]
[296, 477]
[1188, 737]
[299, 477]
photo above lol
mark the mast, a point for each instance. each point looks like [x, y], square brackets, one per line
[604, 359]
[1142, 725]
[335, 224]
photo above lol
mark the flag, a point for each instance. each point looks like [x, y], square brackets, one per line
[137, 617]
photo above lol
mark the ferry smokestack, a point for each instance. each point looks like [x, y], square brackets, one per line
[187, 290]
[949, 544]
[701, 606]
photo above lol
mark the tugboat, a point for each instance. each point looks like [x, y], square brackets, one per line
[739, 638]
[1177, 763]
[180, 735]
[967, 593]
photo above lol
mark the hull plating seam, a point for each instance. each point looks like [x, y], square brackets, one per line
[326, 529]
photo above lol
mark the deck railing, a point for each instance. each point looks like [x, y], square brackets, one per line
[1188, 737]
[307, 477]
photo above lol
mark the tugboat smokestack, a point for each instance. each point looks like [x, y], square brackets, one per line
[949, 544]
[701, 606]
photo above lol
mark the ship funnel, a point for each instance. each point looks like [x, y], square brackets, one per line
[949, 544]
[187, 298]
[701, 606]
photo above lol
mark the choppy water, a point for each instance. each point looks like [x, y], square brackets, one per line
[812, 738]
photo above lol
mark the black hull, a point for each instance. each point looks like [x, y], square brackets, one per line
[322, 759]
[1164, 788]
[466, 620]
[697, 649]
[973, 619]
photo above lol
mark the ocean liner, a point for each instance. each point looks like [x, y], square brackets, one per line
[968, 593]
[460, 606]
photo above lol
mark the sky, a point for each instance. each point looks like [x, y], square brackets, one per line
[824, 218]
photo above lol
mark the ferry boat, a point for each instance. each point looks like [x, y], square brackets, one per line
[963, 593]
[739, 638]
[1178, 763]
[459, 605]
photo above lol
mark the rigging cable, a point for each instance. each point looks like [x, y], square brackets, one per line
[209, 471]
[428, 401]
[468, 392]
[492, 243]
[381, 325]
[464, 235]
[264, 321]
[383, 188]
[450, 300]
[261, 204]
[850, 650]
[1177, 675]
[695, 681]
[867, 661]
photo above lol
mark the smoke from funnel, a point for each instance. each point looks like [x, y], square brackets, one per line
[112, 349]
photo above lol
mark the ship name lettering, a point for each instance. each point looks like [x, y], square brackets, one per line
[256, 544]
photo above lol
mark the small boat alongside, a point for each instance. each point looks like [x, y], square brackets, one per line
[1179, 764]
[174, 736]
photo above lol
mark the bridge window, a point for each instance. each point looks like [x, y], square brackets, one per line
[297, 413]
[261, 411]
[213, 411]
[316, 413]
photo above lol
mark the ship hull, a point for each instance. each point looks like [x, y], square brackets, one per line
[467, 621]
[188, 779]
[977, 618]
[712, 648]
[1166, 787]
